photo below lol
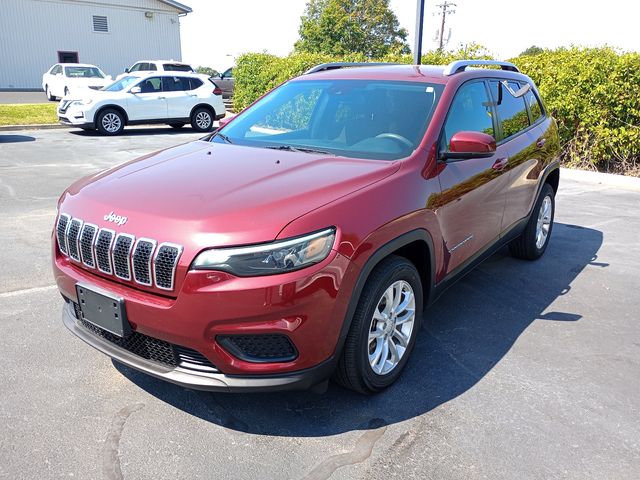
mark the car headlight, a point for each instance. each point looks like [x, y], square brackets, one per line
[82, 102]
[269, 258]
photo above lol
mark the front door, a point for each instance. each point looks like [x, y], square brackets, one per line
[150, 103]
[473, 191]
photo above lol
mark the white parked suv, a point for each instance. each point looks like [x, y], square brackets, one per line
[146, 97]
[71, 78]
[156, 66]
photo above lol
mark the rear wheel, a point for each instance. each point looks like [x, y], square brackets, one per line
[177, 126]
[50, 97]
[532, 243]
[202, 120]
[110, 122]
[384, 328]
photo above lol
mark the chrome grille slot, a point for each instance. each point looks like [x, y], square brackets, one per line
[121, 255]
[61, 232]
[164, 265]
[87, 237]
[73, 235]
[141, 260]
[103, 250]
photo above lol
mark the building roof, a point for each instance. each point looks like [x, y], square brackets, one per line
[180, 6]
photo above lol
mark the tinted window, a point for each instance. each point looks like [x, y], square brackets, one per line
[354, 118]
[470, 111]
[136, 68]
[177, 67]
[151, 67]
[195, 83]
[228, 73]
[150, 85]
[83, 72]
[534, 105]
[512, 112]
[56, 70]
[175, 84]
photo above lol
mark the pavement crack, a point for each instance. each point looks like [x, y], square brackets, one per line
[361, 452]
[110, 456]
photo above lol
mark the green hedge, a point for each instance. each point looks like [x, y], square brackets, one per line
[593, 93]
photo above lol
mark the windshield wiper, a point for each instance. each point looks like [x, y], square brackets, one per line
[222, 136]
[291, 148]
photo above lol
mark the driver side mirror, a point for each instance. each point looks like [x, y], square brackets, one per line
[468, 144]
[126, 70]
[135, 90]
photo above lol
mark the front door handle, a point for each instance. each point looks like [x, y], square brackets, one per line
[500, 163]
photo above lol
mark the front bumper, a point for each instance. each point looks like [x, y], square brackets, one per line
[215, 382]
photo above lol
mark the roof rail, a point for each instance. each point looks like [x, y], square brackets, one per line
[461, 65]
[335, 65]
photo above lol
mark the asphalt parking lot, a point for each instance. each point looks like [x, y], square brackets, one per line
[522, 370]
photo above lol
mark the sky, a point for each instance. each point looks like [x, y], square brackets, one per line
[216, 32]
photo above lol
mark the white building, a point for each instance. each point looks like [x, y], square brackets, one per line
[112, 34]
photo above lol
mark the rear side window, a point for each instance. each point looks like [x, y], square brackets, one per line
[175, 84]
[176, 67]
[512, 111]
[470, 111]
[195, 83]
[534, 106]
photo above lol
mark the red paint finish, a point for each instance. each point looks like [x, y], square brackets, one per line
[203, 195]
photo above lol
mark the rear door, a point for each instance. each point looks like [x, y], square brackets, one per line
[180, 94]
[520, 135]
[471, 204]
[150, 103]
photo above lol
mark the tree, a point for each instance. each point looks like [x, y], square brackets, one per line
[532, 50]
[339, 27]
[212, 72]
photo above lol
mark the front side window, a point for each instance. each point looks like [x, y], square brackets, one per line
[56, 70]
[136, 67]
[469, 111]
[83, 72]
[150, 85]
[372, 119]
[512, 111]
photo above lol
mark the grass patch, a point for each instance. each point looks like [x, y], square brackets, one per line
[28, 113]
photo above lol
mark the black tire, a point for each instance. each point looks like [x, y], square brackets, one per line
[107, 124]
[525, 246]
[199, 122]
[50, 97]
[354, 370]
[177, 126]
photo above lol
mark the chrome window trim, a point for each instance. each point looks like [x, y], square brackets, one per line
[64, 234]
[79, 259]
[133, 263]
[175, 264]
[113, 259]
[93, 255]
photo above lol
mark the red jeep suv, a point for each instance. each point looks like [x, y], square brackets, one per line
[304, 238]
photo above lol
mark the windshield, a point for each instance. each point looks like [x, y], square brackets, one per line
[371, 119]
[121, 84]
[83, 72]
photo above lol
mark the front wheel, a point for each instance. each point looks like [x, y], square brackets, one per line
[110, 122]
[384, 328]
[50, 97]
[532, 243]
[202, 120]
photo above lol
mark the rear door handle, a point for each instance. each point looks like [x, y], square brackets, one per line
[500, 163]
[195, 95]
[161, 98]
[540, 143]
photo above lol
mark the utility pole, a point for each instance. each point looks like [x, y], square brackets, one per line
[417, 46]
[446, 9]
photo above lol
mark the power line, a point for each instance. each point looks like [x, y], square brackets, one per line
[446, 8]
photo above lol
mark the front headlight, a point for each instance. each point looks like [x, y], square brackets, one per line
[87, 101]
[269, 258]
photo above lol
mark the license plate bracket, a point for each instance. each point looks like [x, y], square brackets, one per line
[104, 310]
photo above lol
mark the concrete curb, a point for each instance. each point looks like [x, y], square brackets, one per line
[49, 126]
[606, 179]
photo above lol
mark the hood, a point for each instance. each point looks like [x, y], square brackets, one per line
[205, 194]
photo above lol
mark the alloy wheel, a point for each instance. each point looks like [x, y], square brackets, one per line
[111, 122]
[203, 120]
[544, 222]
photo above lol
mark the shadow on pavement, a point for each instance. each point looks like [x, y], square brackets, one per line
[464, 335]
[16, 138]
[136, 132]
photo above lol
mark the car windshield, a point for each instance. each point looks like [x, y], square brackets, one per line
[121, 84]
[83, 72]
[372, 119]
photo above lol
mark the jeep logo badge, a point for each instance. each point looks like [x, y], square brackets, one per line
[117, 219]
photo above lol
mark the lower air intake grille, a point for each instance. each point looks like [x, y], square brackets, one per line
[151, 348]
[259, 348]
